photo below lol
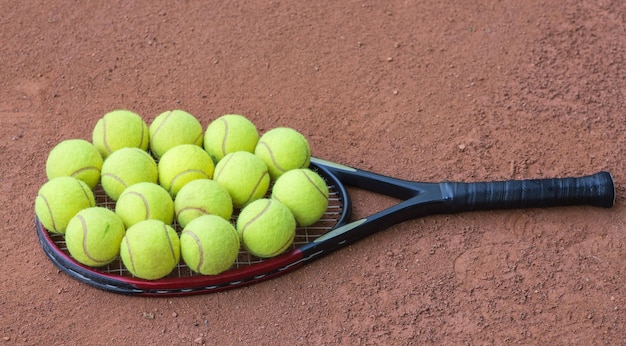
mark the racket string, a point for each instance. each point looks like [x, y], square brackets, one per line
[304, 235]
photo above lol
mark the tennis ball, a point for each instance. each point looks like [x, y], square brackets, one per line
[120, 129]
[144, 201]
[201, 197]
[75, 158]
[173, 128]
[150, 249]
[244, 175]
[93, 236]
[59, 200]
[283, 149]
[228, 134]
[266, 227]
[304, 192]
[209, 245]
[182, 164]
[126, 167]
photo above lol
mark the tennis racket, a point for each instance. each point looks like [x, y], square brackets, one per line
[335, 230]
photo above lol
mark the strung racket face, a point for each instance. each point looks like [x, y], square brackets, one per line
[247, 268]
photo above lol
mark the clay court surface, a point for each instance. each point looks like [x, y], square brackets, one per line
[420, 90]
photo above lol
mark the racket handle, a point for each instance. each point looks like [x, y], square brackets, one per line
[596, 190]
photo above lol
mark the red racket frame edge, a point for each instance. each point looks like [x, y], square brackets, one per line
[169, 286]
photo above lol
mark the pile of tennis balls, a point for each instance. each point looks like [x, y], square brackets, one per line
[179, 192]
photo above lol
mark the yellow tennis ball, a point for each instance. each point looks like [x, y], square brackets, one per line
[94, 235]
[150, 249]
[59, 200]
[182, 164]
[75, 158]
[201, 197]
[304, 192]
[173, 128]
[120, 129]
[283, 149]
[228, 134]
[144, 201]
[266, 227]
[126, 167]
[209, 245]
[244, 175]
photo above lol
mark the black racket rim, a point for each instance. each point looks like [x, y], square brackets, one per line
[197, 284]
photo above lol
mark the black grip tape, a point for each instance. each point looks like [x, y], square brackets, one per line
[595, 190]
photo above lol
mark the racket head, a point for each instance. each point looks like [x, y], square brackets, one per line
[248, 269]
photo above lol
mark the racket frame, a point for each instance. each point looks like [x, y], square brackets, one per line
[417, 199]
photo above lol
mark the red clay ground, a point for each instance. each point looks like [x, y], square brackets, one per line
[457, 90]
